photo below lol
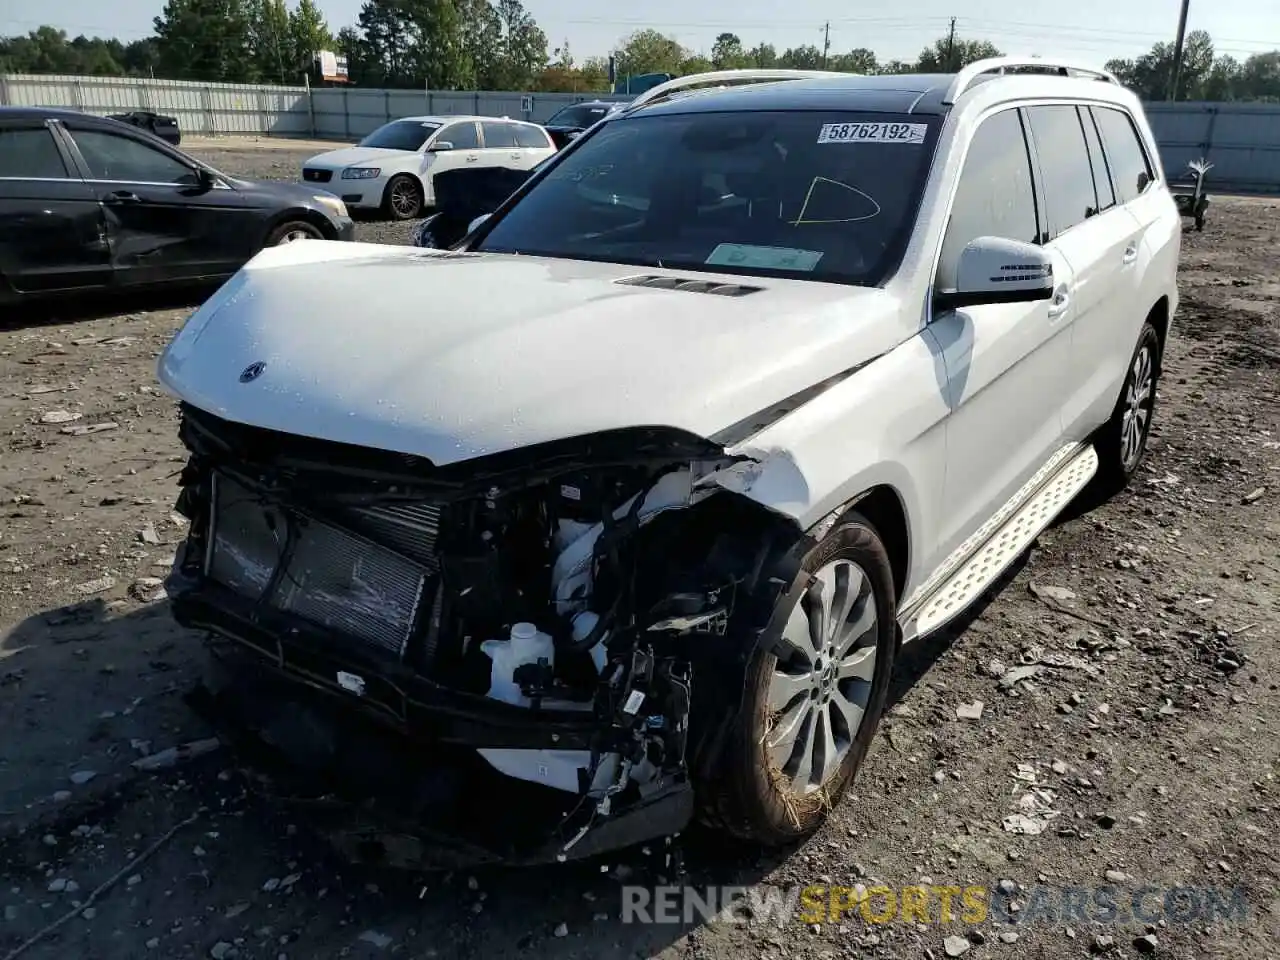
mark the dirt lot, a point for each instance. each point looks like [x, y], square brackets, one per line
[1149, 725]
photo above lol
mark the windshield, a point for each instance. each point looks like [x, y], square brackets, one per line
[816, 195]
[401, 135]
[579, 115]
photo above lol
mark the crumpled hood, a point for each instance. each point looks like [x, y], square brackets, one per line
[453, 356]
[353, 156]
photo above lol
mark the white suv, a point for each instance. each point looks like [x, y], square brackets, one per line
[619, 511]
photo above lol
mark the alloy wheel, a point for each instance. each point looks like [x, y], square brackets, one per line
[1139, 399]
[404, 199]
[821, 685]
[292, 235]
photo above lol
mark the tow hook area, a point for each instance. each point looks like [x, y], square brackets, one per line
[413, 803]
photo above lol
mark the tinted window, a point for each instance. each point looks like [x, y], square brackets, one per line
[818, 195]
[462, 135]
[995, 197]
[113, 157]
[499, 135]
[30, 154]
[1064, 164]
[1126, 159]
[578, 115]
[401, 135]
[1101, 179]
[531, 137]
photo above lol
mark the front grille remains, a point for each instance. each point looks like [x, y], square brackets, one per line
[334, 578]
[316, 176]
[660, 282]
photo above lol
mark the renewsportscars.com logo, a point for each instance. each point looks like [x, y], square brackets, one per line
[933, 904]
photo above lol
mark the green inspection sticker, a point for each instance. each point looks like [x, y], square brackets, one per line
[763, 258]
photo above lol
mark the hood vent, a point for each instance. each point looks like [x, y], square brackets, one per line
[690, 286]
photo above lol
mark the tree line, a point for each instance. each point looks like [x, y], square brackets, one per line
[497, 45]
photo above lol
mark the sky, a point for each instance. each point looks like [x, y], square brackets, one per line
[1044, 27]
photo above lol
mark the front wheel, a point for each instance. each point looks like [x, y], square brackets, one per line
[293, 230]
[403, 199]
[815, 690]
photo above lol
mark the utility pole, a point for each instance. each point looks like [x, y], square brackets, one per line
[826, 43]
[951, 47]
[1177, 52]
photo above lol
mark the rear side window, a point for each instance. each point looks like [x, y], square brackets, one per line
[462, 135]
[499, 135]
[531, 138]
[1069, 196]
[1101, 177]
[995, 197]
[30, 155]
[1130, 171]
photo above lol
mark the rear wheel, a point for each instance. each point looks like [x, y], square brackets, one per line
[293, 230]
[814, 694]
[1122, 441]
[403, 198]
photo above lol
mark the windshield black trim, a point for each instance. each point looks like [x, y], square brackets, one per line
[894, 255]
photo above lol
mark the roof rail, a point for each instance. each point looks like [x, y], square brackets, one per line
[969, 76]
[724, 78]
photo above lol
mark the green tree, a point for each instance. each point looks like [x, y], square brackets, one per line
[1260, 76]
[858, 60]
[384, 40]
[1150, 74]
[947, 55]
[694, 63]
[268, 22]
[204, 40]
[648, 51]
[308, 34]
[727, 52]
[522, 48]
[762, 56]
[807, 57]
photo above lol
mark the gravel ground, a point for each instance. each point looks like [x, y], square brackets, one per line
[1142, 743]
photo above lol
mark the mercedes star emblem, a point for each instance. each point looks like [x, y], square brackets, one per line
[252, 372]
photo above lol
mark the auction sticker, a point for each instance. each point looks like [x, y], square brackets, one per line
[872, 132]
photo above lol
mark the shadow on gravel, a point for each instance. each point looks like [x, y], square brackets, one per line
[91, 686]
[105, 303]
[85, 689]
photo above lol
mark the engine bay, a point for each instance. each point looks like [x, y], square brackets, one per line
[549, 615]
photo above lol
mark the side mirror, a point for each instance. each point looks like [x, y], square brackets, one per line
[471, 227]
[996, 270]
[205, 179]
[440, 146]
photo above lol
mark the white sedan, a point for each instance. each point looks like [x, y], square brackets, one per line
[392, 168]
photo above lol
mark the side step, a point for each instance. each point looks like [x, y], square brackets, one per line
[1005, 542]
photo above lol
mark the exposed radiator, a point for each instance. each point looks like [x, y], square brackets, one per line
[335, 579]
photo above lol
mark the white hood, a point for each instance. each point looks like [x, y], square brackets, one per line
[456, 356]
[356, 156]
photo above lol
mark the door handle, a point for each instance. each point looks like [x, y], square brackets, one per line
[472, 159]
[1060, 302]
[122, 196]
[1131, 253]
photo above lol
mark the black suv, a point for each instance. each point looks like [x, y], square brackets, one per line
[89, 203]
[569, 123]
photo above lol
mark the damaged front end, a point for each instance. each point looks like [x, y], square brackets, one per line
[522, 658]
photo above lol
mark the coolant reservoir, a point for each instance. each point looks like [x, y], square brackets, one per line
[527, 645]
